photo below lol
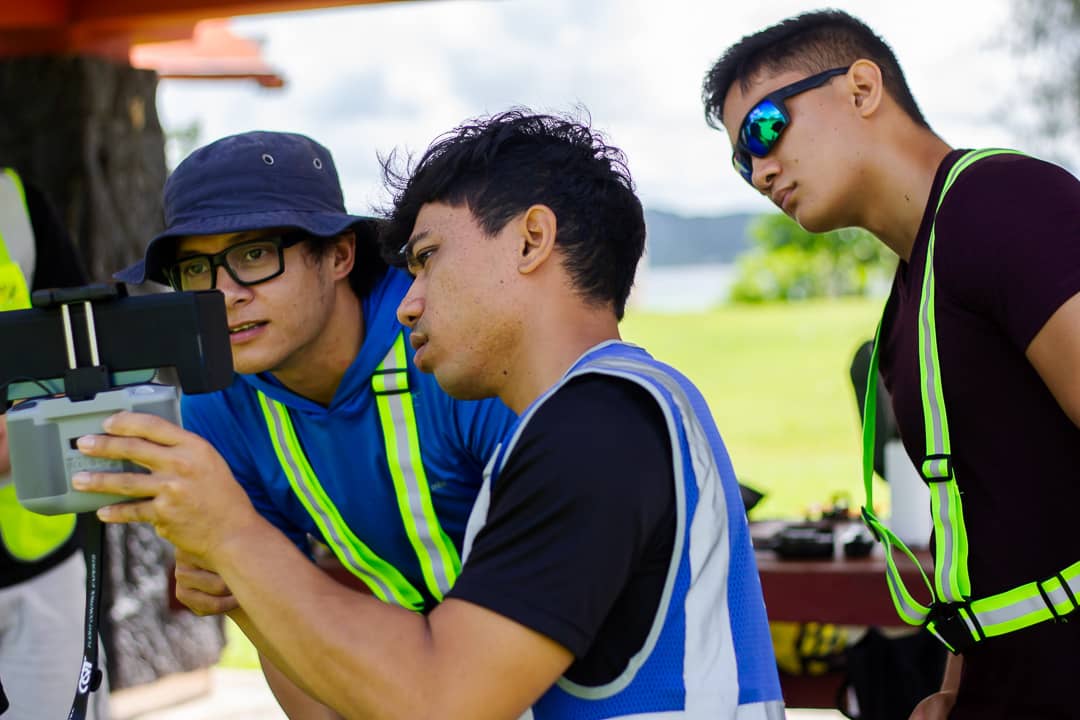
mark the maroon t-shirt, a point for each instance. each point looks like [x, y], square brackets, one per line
[1006, 257]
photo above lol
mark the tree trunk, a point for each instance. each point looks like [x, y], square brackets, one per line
[86, 132]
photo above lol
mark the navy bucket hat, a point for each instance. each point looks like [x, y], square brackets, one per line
[251, 181]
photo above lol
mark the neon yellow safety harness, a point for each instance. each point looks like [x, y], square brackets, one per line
[954, 617]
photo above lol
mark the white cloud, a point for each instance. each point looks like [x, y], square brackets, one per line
[373, 78]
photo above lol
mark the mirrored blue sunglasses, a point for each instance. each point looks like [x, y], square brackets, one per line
[761, 128]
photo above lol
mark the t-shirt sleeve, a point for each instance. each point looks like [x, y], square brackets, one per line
[583, 496]
[204, 416]
[1020, 257]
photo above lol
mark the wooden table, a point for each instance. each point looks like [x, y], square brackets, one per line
[844, 591]
[838, 590]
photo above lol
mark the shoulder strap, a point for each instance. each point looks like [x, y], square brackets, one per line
[438, 558]
[952, 616]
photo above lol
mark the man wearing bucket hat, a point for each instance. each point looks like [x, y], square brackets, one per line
[328, 426]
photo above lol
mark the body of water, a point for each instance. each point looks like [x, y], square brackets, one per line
[682, 288]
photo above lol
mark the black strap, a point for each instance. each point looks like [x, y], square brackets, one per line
[89, 673]
[3, 700]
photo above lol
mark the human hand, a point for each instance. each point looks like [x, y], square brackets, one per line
[190, 496]
[203, 591]
[935, 707]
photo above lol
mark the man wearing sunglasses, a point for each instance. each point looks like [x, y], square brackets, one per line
[328, 426]
[979, 347]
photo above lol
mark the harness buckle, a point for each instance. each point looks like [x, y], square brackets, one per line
[383, 379]
[951, 627]
[924, 468]
[1050, 604]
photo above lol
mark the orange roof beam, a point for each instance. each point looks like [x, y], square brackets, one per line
[212, 53]
[111, 27]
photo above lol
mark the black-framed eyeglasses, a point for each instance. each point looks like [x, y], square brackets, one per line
[761, 128]
[248, 263]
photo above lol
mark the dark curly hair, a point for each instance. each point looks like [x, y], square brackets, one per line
[499, 166]
[812, 42]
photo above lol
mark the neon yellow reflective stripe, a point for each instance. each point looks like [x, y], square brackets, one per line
[951, 578]
[1025, 606]
[14, 290]
[29, 536]
[909, 609]
[869, 427]
[439, 560]
[383, 578]
[992, 616]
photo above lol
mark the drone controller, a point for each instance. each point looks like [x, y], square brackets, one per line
[77, 353]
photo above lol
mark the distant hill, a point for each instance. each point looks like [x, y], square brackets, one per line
[677, 240]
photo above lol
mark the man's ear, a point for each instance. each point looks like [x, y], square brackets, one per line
[539, 226]
[866, 86]
[344, 254]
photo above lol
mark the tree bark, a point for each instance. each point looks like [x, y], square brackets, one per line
[86, 132]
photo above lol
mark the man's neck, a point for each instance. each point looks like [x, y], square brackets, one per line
[320, 367]
[550, 346]
[895, 198]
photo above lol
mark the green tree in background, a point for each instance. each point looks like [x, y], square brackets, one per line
[789, 263]
[1049, 30]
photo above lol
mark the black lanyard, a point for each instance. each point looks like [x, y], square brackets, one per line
[89, 673]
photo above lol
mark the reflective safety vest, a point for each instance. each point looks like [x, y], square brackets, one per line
[439, 561]
[27, 536]
[953, 616]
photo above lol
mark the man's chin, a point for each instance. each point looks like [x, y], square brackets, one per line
[245, 364]
[460, 388]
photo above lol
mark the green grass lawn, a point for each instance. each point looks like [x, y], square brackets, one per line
[777, 380]
[239, 653]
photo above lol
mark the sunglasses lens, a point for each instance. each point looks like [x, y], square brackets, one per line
[762, 128]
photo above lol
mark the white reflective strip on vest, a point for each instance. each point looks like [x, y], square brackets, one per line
[392, 412]
[348, 556]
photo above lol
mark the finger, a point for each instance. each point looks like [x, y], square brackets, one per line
[203, 604]
[138, 450]
[136, 485]
[201, 580]
[150, 427]
[128, 512]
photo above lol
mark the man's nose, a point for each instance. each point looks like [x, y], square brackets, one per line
[232, 290]
[764, 172]
[411, 307]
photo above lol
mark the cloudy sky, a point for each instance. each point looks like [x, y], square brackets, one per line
[370, 79]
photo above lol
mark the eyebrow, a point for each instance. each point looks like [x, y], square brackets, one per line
[407, 249]
[241, 237]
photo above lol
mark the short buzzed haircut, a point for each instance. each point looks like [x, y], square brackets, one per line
[812, 42]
